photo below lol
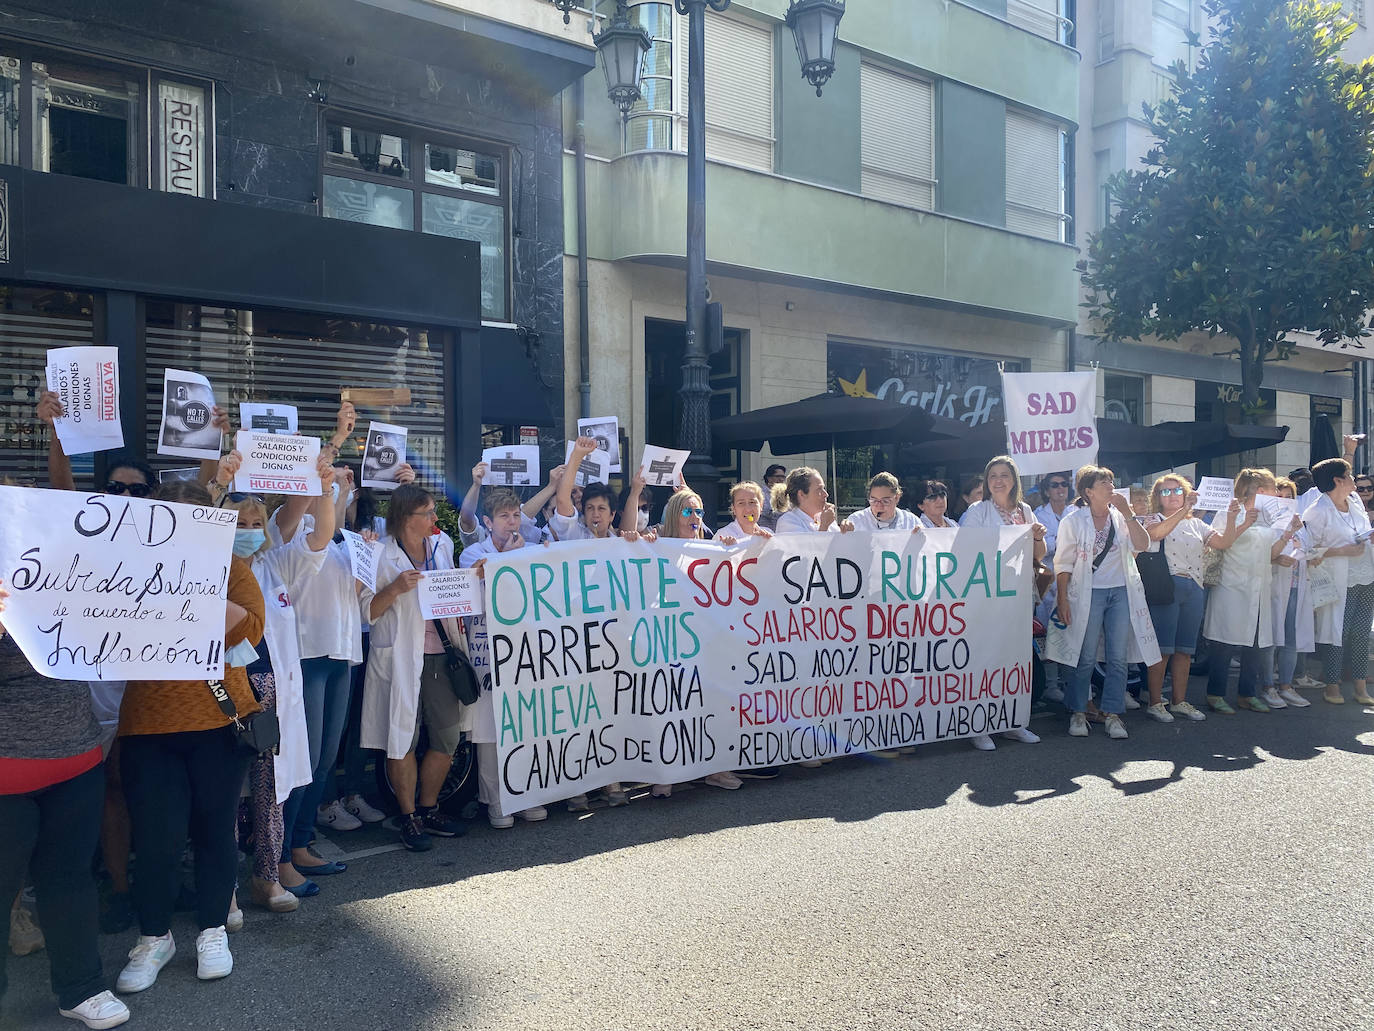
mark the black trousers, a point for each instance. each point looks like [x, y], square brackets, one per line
[54, 832]
[174, 782]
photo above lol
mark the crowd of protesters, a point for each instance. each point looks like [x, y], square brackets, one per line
[151, 768]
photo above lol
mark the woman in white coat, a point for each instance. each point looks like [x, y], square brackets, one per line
[803, 504]
[1338, 528]
[1294, 626]
[407, 670]
[1239, 619]
[1101, 600]
[275, 674]
[1002, 506]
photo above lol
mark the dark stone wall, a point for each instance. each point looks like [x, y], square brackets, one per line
[261, 56]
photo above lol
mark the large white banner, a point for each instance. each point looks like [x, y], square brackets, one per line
[1051, 420]
[669, 661]
[106, 587]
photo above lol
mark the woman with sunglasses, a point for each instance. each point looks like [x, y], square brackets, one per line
[882, 513]
[1364, 488]
[683, 519]
[1056, 489]
[934, 503]
[1185, 539]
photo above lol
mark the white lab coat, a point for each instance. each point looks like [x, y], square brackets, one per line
[391, 689]
[280, 572]
[1239, 608]
[479, 650]
[1328, 527]
[984, 513]
[1075, 552]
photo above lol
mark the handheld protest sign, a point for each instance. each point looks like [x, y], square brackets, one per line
[606, 432]
[662, 466]
[188, 402]
[593, 468]
[384, 455]
[450, 592]
[268, 418]
[1214, 494]
[111, 587]
[86, 381]
[513, 465]
[278, 463]
[1051, 420]
[362, 555]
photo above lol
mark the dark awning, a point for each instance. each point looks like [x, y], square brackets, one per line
[824, 421]
[511, 392]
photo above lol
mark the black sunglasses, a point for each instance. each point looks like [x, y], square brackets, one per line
[137, 490]
[237, 497]
[936, 494]
[1056, 484]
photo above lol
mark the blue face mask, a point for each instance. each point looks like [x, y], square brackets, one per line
[247, 542]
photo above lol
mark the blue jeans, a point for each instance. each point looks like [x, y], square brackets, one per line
[1219, 667]
[325, 684]
[1109, 615]
[1288, 653]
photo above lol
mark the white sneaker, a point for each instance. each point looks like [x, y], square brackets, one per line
[725, 780]
[810, 764]
[213, 959]
[1022, 734]
[357, 805]
[1294, 699]
[1131, 702]
[579, 804]
[1272, 699]
[336, 817]
[102, 1010]
[1307, 683]
[1078, 725]
[983, 742]
[500, 823]
[145, 960]
[1116, 727]
[1188, 711]
[1159, 712]
[534, 815]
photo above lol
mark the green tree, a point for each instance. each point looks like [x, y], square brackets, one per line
[1254, 212]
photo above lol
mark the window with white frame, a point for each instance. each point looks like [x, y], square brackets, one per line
[897, 136]
[1035, 175]
[1169, 32]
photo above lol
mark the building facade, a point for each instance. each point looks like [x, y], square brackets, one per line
[1128, 49]
[899, 236]
[293, 199]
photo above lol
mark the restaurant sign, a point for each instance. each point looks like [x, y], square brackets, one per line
[953, 386]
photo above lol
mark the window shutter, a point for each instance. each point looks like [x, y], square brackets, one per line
[897, 134]
[739, 89]
[1038, 16]
[1034, 197]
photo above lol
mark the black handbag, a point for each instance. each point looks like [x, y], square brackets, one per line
[257, 734]
[461, 676]
[1155, 575]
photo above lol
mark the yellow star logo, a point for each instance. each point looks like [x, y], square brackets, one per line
[859, 388]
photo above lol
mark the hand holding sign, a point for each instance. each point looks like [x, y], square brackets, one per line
[513, 465]
[384, 456]
[450, 592]
[592, 468]
[188, 403]
[279, 464]
[662, 466]
[84, 413]
[1214, 494]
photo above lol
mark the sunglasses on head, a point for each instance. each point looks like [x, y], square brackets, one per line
[236, 497]
[699, 512]
[137, 490]
[1164, 492]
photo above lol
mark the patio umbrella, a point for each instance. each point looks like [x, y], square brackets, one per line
[1324, 442]
[827, 421]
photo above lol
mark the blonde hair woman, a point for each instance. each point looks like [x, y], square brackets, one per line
[1184, 538]
[1238, 618]
[1101, 599]
[746, 505]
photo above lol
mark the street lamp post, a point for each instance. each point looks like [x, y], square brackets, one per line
[814, 25]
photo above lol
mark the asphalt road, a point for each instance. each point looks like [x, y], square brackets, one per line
[1213, 875]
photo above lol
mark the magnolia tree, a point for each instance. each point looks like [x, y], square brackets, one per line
[1254, 214]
